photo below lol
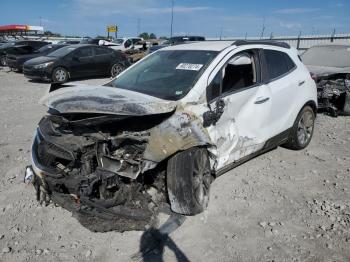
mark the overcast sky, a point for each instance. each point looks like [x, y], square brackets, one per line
[208, 18]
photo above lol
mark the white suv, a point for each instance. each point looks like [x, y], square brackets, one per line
[170, 123]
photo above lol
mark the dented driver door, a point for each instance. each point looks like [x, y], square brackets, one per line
[239, 105]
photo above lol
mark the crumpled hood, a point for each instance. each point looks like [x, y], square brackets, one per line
[327, 70]
[105, 100]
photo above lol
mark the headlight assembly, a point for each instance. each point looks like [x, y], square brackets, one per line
[44, 65]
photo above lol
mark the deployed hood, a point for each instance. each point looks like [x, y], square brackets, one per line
[326, 70]
[105, 100]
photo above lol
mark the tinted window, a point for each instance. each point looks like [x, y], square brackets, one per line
[278, 63]
[102, 51]
[128, 43]
[62, 51]
[135, 40]
[214, 89]
[83, 52]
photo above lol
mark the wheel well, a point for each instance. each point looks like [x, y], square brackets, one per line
[313, 105]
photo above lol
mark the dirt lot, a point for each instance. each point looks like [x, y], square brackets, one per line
[282, 206]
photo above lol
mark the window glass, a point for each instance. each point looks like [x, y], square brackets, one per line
[278, 63]
[127, 43]
[135, 40]
[102, 51]
[166, 74]
[83, 52]
[289, 62]
[240, 73]
[214, 89]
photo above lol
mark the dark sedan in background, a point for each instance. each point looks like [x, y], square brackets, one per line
[19, 48]
[16, 61]
[76, 61]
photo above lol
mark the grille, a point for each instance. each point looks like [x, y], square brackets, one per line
[49, 153]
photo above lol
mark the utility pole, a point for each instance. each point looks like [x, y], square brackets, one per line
[263, 29]
[40, 20]
[138, 26]
[220, 33]
[172, 18]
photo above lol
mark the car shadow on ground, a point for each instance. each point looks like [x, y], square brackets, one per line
[153, 242]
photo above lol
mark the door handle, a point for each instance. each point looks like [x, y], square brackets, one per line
[262, 100]
[301, 83]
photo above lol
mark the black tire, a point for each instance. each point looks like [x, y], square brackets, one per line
[188, 181]
[117, 69]
[302, 130]
[60, 75]
[3, 61]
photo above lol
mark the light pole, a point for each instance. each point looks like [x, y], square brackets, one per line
[172, 18]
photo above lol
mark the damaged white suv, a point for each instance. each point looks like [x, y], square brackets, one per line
[165, 127]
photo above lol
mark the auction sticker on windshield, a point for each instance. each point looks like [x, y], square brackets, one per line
[188, 66]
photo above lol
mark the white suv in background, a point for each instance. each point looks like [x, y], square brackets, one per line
[172, 122]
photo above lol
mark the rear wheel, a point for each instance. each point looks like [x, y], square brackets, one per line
[188, 181]
[60, 75]
[117, 69]
[302, 130]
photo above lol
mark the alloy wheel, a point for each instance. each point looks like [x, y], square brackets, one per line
[201, 178]
[116, 70]
[305, 128]
[60, 75]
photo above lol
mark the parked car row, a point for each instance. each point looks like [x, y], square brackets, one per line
[58, 63]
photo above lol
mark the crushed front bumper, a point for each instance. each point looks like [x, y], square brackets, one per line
[90, 212]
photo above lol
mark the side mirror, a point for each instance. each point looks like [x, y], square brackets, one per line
[240, 60]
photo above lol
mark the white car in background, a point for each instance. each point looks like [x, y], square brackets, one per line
[124, 44]
[169, 124]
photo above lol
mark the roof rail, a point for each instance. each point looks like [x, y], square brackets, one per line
[261, 42]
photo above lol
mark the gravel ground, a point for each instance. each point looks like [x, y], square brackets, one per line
[282, 206]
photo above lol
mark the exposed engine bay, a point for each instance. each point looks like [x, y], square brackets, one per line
[333, 92]
[96, 160]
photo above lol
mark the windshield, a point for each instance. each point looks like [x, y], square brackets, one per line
[62, 51]
[167, 75]
[118, 41]
[332, 56]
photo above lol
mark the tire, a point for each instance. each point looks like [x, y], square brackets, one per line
[188, 181]
[60, 75]
[117, 69]
[302, 130]
[3, 61]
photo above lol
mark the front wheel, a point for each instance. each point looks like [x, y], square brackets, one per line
[303, 129]
[3, 61]
[117, 69]
[188, 181]
[60, 75]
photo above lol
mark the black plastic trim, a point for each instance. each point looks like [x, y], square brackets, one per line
[261, 42]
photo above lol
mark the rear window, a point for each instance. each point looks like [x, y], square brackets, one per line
[278, 63]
